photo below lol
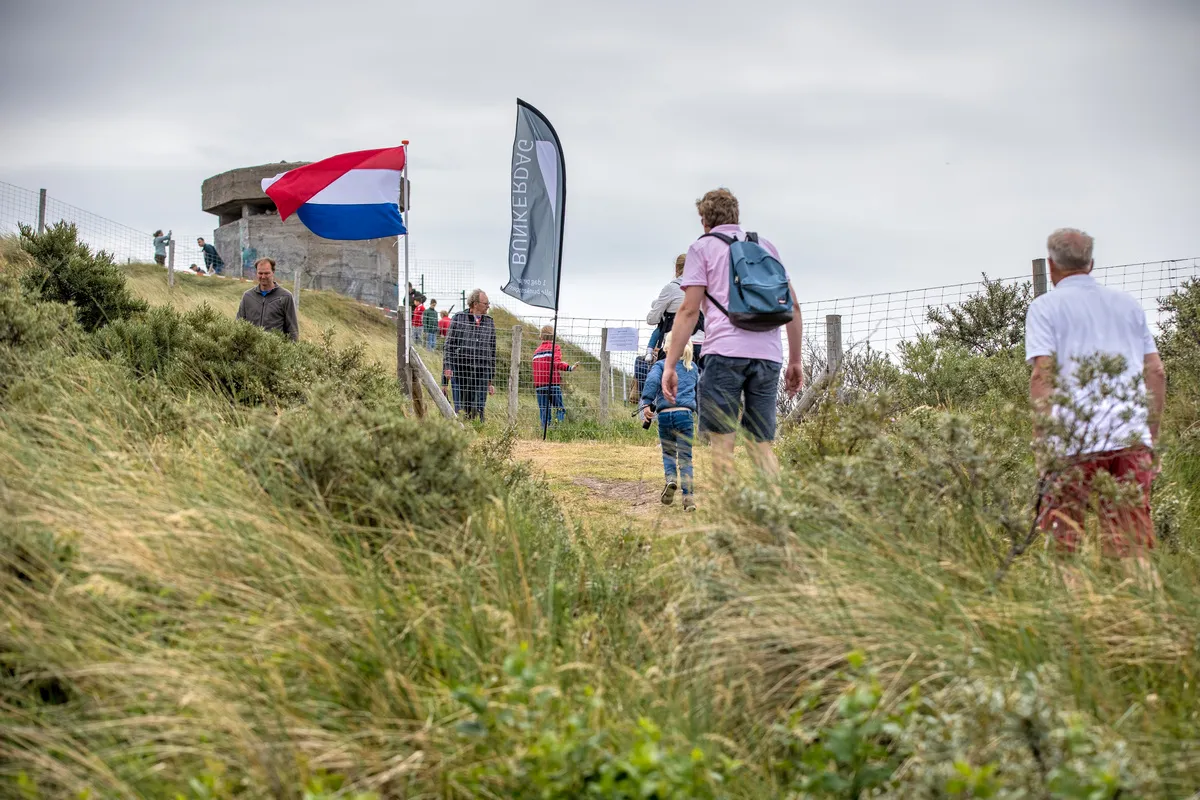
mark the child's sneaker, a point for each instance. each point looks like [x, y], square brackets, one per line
[689, 503]
[668, 493]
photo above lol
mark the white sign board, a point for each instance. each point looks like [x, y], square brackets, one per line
[622, 340]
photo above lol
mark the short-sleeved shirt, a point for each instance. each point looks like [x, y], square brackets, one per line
[707, 265]
[1081, 319]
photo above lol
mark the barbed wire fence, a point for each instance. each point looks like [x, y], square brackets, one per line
[605, 381]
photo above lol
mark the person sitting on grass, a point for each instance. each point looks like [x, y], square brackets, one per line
[675, 426]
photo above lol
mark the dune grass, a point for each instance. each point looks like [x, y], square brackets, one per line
[303, 591]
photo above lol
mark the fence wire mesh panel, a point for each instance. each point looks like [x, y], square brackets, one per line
[17, 206]
[603, 383]
[576, 381]
[125, 244]
[445, 281]
[884, 320]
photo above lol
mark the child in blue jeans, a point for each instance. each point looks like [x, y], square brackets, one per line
[674, 423]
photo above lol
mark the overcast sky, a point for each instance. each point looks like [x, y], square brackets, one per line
[880, 145]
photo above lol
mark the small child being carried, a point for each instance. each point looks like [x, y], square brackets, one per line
[675, 425]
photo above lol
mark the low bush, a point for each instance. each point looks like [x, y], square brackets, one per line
[205, 350]
[27, 326]
[67, 271]
[537, 735]
[368, 467]
[973, 738]
[986, 323]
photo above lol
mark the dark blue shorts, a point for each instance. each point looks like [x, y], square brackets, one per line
[725, 382]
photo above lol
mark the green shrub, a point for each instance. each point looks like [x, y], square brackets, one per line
[242, 362]
[972, 739]
[150, 344]
[370, 467]
[1013, 738]
[27, 325]
[69, 272]
[935, 372]
[535, 735]
[986, 323]
[203, 349]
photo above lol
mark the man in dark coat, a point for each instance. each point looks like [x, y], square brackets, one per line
[212, 259]
[470, 360]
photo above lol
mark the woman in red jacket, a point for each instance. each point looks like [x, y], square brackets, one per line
[547, 377]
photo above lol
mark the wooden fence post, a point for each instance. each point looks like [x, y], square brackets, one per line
[296, 289]
[514, 375]
[1040, 283]
[833, 342]
[41, 210]
[605, 377]
[431, 384]
[171, 263]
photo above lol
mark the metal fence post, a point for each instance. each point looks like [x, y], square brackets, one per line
[1040, 284]
[514, 375]
[605, 377]
[41, 210]
[171, 262]
[833, 342]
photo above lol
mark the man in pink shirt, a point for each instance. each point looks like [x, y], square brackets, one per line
[741, 370]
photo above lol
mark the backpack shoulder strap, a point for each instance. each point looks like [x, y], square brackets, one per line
[729, 240]
[751, 236]
[713, 300]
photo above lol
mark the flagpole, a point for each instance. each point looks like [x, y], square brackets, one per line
[402, 331]
[562, 228]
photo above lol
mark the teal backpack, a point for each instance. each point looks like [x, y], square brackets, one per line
[759, 297]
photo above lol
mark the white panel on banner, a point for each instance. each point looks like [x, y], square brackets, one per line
[622, 340]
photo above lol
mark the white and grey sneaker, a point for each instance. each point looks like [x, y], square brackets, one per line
[668, 493]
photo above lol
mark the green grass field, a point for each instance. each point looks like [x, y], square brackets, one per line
[234, 567]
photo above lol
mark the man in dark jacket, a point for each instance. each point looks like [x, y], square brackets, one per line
[212, 259]
[268, 305]
[470, 360]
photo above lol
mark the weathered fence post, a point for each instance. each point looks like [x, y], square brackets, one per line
[296, 293]
[514, 375]
[605, 377]
[171, 262]
[431, 384]
[41, 210]
[1039, 277]
[833, 342]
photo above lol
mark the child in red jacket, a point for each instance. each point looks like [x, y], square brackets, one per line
[548, 367]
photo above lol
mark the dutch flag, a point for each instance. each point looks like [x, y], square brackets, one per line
[351, 196]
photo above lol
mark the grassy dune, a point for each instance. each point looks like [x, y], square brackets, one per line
[233, 567]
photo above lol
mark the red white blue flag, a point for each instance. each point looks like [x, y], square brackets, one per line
[350, 196]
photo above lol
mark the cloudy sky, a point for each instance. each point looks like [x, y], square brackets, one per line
[880, 145]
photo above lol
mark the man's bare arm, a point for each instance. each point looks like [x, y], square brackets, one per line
[1041, 385]
[793, 378]
[1156, 390]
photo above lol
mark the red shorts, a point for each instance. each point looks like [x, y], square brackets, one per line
[1125, 524]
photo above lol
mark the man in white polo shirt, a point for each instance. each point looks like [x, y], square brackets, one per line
[1080, 320]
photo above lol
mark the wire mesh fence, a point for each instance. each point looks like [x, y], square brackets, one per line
[603, 382]
[126, 245]
[885, 319]
[607, 357]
